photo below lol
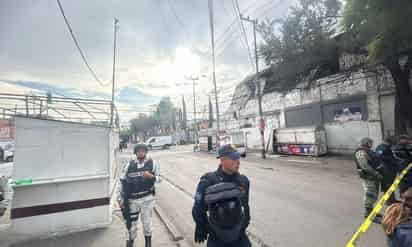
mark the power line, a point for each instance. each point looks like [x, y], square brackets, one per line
[265, 11]
[178, 20]
[229, 27]
[165, 23]
[238, 14]
[78, 47]
[229, 32]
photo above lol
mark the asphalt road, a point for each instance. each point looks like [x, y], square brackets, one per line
[294, 202]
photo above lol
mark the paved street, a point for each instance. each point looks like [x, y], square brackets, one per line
[293, 202]
[112, 236]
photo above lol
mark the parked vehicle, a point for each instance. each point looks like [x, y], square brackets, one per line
[237, 139]
[6, 151]
[9, 155]
[309, 140]
[159, 142]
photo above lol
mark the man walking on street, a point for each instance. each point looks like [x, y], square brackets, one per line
[367, 165]
[390, 166]
[221, 208]
[136, 193]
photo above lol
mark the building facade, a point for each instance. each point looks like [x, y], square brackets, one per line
[348, 105]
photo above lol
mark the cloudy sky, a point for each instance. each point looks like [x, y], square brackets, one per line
[159, 43]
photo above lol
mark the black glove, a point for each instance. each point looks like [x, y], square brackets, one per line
[200, 234]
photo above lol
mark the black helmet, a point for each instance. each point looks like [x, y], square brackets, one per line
[365, 142]
[139, 146]
[225, 210]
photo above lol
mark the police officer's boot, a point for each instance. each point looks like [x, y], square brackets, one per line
[129, 243]
[148, 241]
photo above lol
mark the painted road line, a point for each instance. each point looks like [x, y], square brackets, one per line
[252, 235]
[305, 161]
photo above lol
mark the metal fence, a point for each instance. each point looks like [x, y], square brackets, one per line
[88, 111]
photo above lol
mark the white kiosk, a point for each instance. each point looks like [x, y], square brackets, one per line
[67, 168]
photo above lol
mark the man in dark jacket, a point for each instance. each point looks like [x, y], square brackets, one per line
[402, 153]
[213, 219]
[389, 165]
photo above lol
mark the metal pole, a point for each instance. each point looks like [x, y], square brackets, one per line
[27, 105]
[194, 109]
[212, 32]
[261, 120]
[41, 107]
[113, 75]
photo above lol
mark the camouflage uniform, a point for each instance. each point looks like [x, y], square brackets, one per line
[370, 177]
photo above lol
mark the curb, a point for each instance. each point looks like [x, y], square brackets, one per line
[176, 235]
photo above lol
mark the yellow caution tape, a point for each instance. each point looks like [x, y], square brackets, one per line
[368, 221]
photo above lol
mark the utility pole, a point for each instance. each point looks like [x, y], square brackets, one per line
[194, 79]
[212, 36]
[261, 120]
[114, 67]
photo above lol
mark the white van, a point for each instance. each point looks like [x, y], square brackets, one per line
[159, 142]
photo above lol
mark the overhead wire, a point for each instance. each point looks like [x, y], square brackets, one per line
[239, 14]
[266, 10]
[176, 16]
[83, 56]
[232, 24]
[165, 23]
[228, 34]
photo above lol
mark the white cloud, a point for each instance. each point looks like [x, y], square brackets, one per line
[154, 52]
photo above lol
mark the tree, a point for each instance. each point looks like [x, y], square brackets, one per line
[301, 43]
[143, 126]
[165, 114]
[384, 28]
[125, 134]
[306, 30]
[184, 120]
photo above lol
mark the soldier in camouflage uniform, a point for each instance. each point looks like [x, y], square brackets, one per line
[368, 166]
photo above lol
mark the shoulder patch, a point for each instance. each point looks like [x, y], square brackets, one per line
[362, 154]
[242, 189]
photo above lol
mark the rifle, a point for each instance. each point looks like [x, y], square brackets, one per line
[126, 205]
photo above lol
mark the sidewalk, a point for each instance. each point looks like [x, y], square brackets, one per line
[112, 236]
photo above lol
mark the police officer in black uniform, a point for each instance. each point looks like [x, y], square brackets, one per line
[389, 165]
[221, 209]
[403, 153]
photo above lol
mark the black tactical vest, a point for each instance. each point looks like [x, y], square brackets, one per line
[239, 180]
[135, 180]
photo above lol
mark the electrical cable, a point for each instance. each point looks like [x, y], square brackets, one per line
[78, 47]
